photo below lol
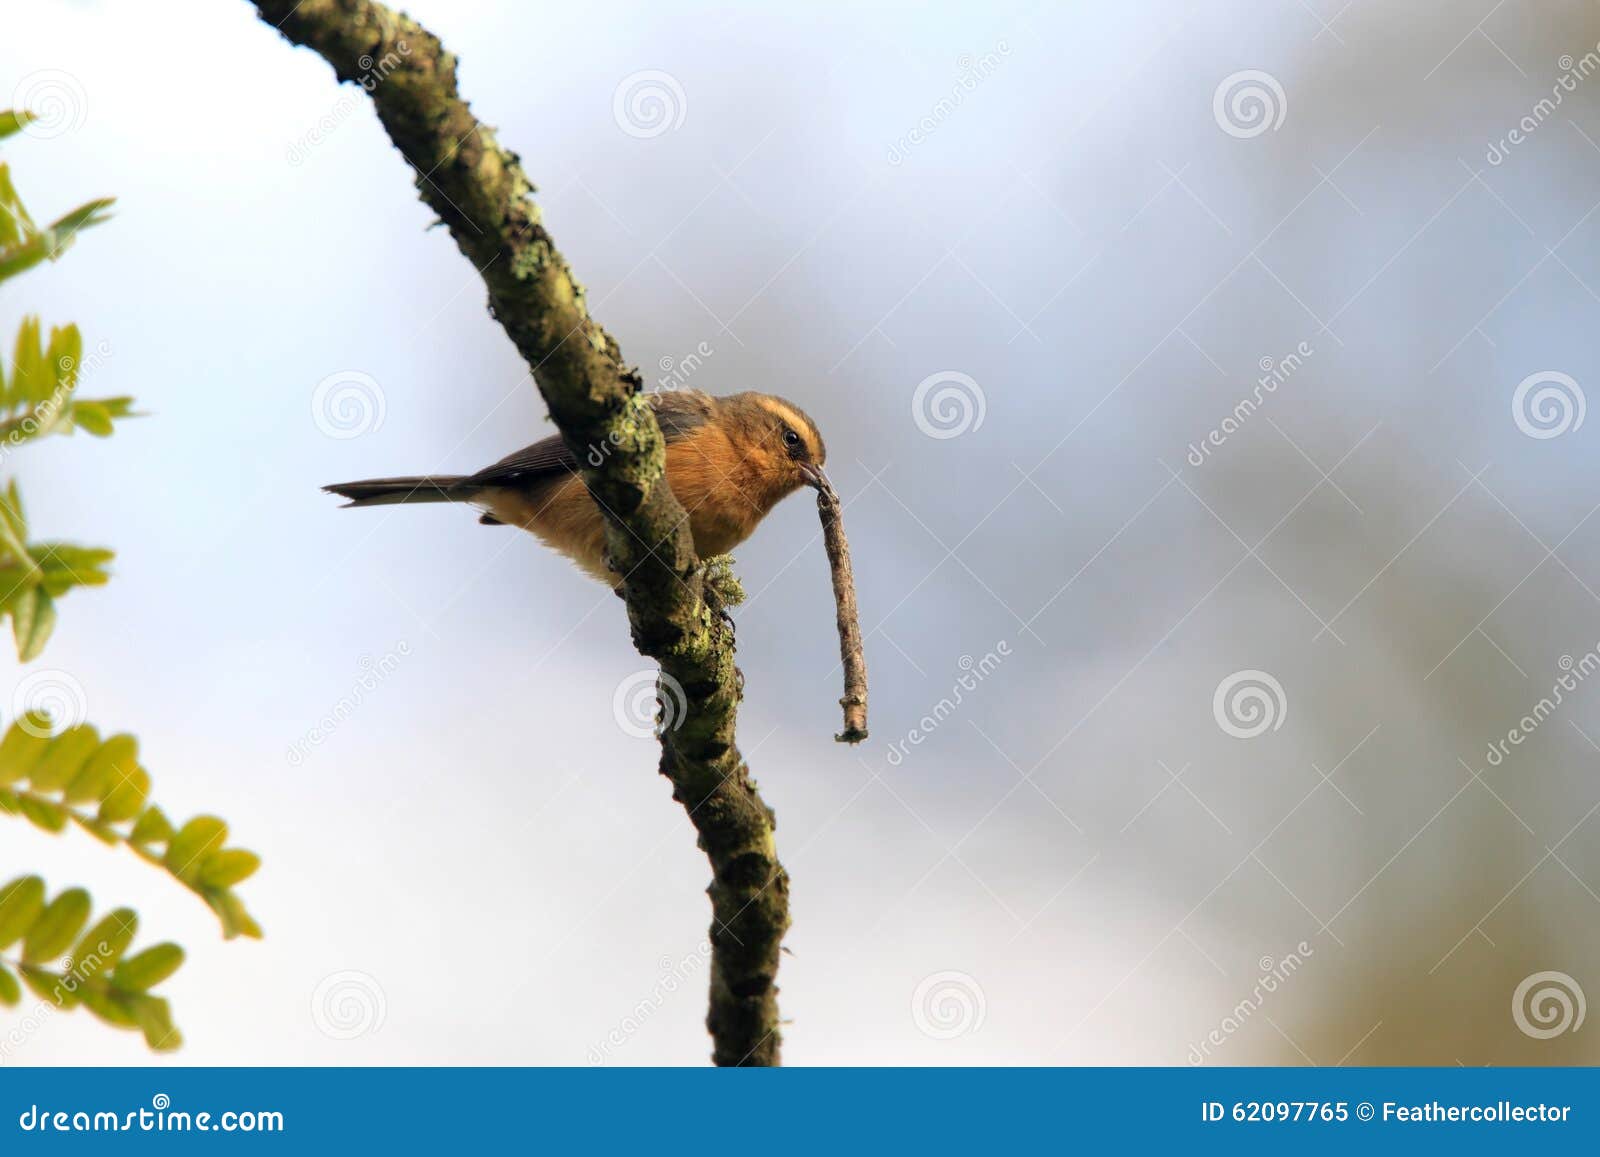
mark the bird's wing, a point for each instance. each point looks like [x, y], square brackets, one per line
[546, 457]
[678, 413]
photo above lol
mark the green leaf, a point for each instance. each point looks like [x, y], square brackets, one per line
[126, 799]
[101, 831]
[194, 840]
[18, 560]
[25, 573]
[52, 817]
[15, 259]
[15, 584]
[103, 945]
[10, 991]
[24, 744]
[231, 911]
[111, 1007]
[33, 618]
[228, 867]
[63, 566]
[92, 418]
[117, 759]
[147, 969]
[18, 217]
[87, 214]
[64, 757]
[66, 556]
[28, 376]
[152, 827]
[24, 245]
[21, 901]
[62, 358]
[12, 121]
[57, 927]
[48, 986]
[12, 519]
[155, 1019]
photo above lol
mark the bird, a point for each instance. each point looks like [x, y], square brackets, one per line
[729, 460]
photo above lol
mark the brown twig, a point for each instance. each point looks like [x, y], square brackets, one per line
[844, 597]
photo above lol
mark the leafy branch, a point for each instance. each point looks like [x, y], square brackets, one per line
[91, 967]
[40, 395]
[74, 777]
[22, 243]
[34, 575]
[99, 785]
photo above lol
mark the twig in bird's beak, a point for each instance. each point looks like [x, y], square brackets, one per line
[844, 597]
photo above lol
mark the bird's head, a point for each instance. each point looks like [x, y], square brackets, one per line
[781, 444]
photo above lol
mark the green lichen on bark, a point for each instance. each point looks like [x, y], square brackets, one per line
[479, 191]
[722, 583]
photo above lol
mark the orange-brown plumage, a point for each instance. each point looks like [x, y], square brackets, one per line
[729, 461]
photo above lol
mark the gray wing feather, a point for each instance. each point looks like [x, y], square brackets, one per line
[544, 458]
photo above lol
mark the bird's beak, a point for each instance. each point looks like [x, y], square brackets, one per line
[815, 478]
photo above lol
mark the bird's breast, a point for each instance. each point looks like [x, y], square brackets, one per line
[718, 487]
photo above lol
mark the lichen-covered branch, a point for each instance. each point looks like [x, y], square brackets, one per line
[479, 191]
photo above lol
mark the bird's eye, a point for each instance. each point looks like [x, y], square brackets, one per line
[791, 439]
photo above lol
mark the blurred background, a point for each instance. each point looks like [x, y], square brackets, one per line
[1206, 384]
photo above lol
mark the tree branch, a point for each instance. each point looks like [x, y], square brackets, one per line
[480, 193]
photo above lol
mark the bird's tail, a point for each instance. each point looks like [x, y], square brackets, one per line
[392, 491]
